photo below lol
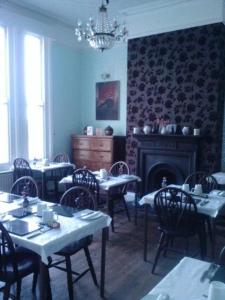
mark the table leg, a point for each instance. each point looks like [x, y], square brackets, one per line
[213, 233]
[44, 282]
[103, 254]
[43, 186]
[146, 232]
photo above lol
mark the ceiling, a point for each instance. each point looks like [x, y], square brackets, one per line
[70, 11]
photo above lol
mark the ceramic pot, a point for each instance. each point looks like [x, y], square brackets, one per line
[108, 130]
[185, 130]
[147, 129]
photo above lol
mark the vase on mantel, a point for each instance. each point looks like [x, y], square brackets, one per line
[163, 130]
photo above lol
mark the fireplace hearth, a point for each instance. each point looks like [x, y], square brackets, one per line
[172, 156]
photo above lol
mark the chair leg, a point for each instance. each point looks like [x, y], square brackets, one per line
[34, 283]
[168, 240]
[18, 289]
[203, 243]
[69, 277]
[126, 209]
[6, 292]
[209, 227]
[90, 264]
[186, 246]
[159, 249]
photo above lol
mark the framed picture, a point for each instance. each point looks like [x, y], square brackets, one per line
[107, 100]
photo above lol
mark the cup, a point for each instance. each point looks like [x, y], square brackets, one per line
[49, 217]
[216, 290]
[196, 131]
[45, 161]
[186, 187]
[197, 189]
[103, 174]
[40, 208]
[136, 130]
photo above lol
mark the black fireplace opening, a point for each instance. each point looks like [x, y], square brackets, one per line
[156, 173]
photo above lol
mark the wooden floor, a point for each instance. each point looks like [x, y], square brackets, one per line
[128, 277]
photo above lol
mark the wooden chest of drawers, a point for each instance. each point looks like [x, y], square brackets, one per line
[97, 152]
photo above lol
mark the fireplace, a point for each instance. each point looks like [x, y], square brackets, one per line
[172, 156]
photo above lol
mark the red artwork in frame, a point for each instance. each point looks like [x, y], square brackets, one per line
[107, 100]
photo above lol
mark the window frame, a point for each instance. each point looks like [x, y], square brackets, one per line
[18, 135]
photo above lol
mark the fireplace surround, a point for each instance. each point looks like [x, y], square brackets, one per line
[173, 156]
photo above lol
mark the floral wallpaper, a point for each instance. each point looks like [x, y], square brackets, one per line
[179, 77]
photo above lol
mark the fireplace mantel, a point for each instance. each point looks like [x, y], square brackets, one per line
[175, 154]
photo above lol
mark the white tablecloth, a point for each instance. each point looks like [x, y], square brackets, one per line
[212, 208]
[71, 229]
[109, 183]
[51, 166]
[183, 282]
[220, 177]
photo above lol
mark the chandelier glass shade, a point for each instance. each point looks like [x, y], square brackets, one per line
[101, 34]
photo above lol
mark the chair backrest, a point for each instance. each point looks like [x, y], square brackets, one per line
[222, 257]
[79, 197]
[21, 168]
[61, 158]
[176, 211]
[7, 254]
[195, 178]
[119, 168]
[208, 182]
[25, 184]
[83, 177]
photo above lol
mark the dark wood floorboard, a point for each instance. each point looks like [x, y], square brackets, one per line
[128, 277]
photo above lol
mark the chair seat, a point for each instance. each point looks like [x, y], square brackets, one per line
[74, 247]
[28, 261]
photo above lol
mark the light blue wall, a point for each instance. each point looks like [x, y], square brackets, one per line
[65, 72]
[94, 63]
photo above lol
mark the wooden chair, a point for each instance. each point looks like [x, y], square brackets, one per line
[222, 257]
[83, 177]
[178, 217]
[207, 181]
[55, 175]
[21, 168]
[117, 194]
[61, 158]
[25, 184]
[78, 197]
[16, 263]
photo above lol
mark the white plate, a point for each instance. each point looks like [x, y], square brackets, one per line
[92, 216]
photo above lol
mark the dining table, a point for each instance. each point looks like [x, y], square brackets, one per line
[46, 242]
[49, 170]
[209, 205]
[111, 182]
[188, 280]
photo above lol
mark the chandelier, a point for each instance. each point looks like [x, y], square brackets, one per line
[101, 34]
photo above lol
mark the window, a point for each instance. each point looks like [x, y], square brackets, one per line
[34, 94]
[24, 119]
[4, 114]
